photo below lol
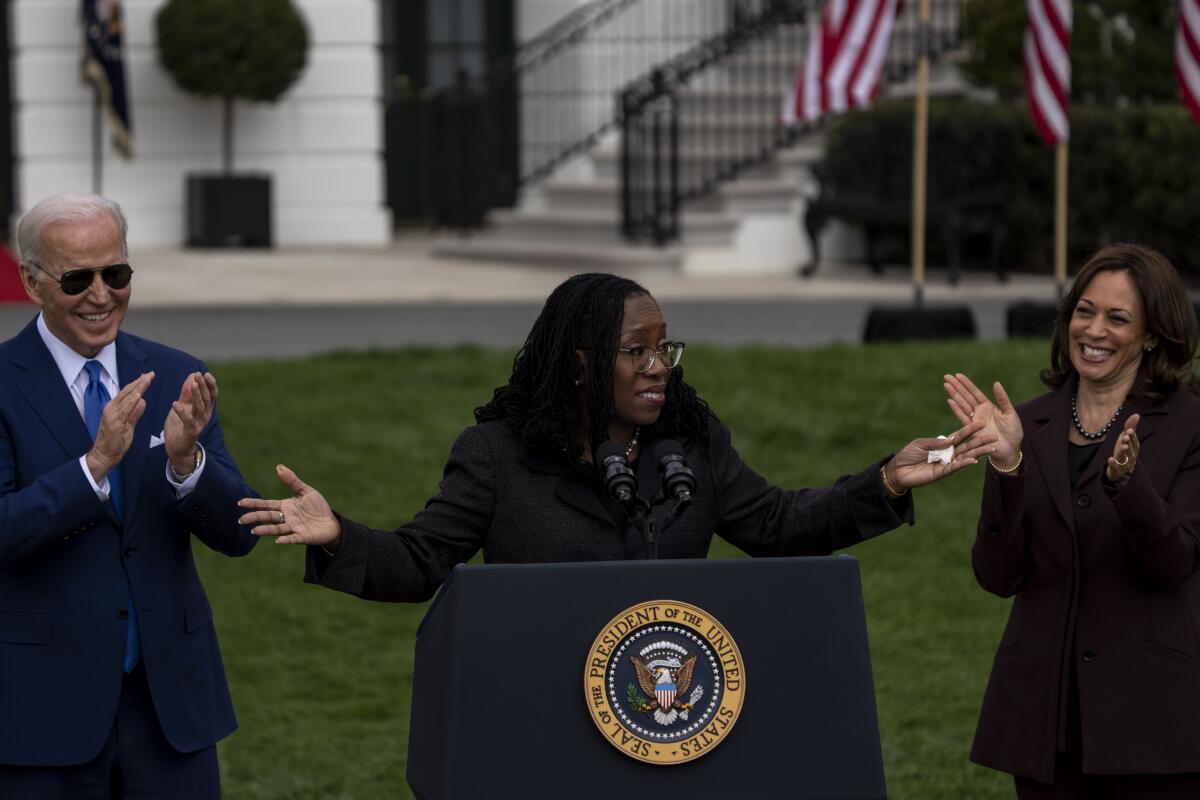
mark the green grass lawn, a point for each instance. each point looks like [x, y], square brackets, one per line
[321, 681]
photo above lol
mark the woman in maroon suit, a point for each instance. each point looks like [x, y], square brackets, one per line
[1091, 520]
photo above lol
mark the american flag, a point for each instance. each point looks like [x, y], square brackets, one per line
[1048, 67]
[844, 61]
[1187, 54]
[104, 66]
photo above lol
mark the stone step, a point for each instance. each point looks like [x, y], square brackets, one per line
[762, 196]
[610, 258]
[714, 138]
[600, 226]
[607, 164]
[769, 195]
[583, 195]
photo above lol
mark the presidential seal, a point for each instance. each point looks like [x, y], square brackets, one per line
[664, 682]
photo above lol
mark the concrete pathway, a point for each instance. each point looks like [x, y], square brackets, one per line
[284, 303]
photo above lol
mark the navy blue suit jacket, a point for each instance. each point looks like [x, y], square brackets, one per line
[64, 558]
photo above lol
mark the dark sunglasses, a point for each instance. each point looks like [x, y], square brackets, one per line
[77, 281]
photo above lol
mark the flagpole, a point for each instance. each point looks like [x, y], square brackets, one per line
[1060, 216]
[920, 157]
[97, 144]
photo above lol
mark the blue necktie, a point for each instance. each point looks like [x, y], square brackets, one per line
[95, 396]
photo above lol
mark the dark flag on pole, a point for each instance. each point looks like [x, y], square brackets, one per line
[104, 68]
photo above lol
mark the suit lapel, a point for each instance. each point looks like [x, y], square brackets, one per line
[576, 493]
[39, 381]
[1049, 444]
[570, 489]
[132, 362]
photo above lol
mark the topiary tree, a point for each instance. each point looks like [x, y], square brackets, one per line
[232, 49]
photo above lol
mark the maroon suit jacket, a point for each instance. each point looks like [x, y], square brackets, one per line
[1104, 577]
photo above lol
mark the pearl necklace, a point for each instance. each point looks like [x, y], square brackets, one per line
[632, 442]
[1091, 437]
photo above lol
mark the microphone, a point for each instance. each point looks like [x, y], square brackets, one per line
[678, 480]
[619, 480]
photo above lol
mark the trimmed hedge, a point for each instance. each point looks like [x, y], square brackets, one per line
[1133, 173]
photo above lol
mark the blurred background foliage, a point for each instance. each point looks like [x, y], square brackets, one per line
[1133, 152]
[1121, 50]
[1133, 172]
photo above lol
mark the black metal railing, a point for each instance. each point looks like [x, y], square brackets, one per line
[710, 114]
[562, 83]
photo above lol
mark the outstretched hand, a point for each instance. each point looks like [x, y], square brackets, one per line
[304, 518]
[1000, 418]
[911, 466]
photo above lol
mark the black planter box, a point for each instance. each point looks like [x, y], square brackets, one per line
[228, 210]
[1031, 318]
[903, 323]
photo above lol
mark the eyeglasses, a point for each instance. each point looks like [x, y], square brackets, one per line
[77, 281]
[643, 357]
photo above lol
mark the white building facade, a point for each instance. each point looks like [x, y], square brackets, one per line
[321, 143]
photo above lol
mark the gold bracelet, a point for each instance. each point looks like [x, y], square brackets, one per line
[1013, 468]
[888, 484]
[196, 459]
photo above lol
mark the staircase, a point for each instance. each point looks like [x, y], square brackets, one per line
[576, 220]
[745, 220]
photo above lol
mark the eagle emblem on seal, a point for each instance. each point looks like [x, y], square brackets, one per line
[664, 675]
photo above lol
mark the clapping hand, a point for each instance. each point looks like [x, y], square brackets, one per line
[117, 421]
[189, 416]
[1125, 455]
[999, 418]
[303, 518]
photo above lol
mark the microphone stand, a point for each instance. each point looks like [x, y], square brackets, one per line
[641, 514]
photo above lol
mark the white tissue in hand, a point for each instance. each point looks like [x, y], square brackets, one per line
[945, 455]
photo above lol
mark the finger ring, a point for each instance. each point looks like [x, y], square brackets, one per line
[1121, 463]
[282, 518]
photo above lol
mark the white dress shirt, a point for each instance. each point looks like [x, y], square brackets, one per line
[70, 364]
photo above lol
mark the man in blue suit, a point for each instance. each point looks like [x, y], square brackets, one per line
[111, 460]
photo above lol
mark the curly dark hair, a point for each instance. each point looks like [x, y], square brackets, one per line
[1167, 311]
[540, 399]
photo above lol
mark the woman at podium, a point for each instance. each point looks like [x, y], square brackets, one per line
[1091, 521]
[598, 370]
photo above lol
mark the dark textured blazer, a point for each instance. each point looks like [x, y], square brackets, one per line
[525, 507]
[1103, 578]
[64, 558]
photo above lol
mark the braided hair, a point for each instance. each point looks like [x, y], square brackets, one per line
[585, 313]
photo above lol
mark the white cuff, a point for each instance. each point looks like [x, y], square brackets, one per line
[101, 489]
[184, 488]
